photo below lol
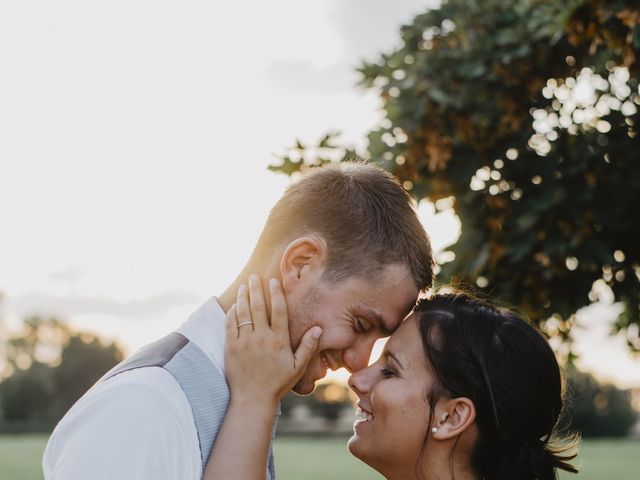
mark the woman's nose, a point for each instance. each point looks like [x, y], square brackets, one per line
[360, 381]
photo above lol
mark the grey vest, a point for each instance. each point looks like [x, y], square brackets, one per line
[204, 386]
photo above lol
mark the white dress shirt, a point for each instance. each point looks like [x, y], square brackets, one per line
[138, 424]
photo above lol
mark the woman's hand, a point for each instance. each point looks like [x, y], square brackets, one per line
[261, 368]
[260, 363]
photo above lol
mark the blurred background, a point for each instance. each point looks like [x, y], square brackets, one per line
[142, 144]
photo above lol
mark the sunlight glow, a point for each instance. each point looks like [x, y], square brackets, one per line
[135, 147]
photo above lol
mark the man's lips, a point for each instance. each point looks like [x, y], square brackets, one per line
[327, 362]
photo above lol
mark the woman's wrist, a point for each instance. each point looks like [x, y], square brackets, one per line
[256, 407]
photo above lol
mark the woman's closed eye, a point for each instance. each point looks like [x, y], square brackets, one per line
[387, 372]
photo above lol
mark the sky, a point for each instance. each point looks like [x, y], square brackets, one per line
[134, 143]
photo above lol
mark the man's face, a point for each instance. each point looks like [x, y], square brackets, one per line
[353, 314]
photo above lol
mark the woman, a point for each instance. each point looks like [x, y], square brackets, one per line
[461, 391]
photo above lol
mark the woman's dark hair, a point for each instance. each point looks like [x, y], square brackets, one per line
[508, 370]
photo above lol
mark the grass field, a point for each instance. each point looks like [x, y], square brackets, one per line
[322, 459]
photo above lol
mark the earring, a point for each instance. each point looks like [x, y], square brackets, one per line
[434, 430]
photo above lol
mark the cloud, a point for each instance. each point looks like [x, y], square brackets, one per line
[365, 29]
[66, 306]
[70, 275]
[369, 27]
[304, 76]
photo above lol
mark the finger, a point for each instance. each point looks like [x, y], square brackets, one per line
[279, 317]
[231, 325]
[257, 303]
[306, 349]
[243, 313]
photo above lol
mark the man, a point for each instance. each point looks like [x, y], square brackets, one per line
[351, 256]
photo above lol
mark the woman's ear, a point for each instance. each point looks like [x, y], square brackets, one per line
[452, 417]
[302, 260]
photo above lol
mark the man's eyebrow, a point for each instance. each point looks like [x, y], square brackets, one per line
[379, 320]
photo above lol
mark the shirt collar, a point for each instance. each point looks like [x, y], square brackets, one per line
[205, 328]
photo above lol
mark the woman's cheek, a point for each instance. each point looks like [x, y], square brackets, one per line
[406, 416]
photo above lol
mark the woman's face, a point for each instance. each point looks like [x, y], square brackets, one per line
[392, 394]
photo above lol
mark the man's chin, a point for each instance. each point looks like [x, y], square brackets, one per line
[305, 386]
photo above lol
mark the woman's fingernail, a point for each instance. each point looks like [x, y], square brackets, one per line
[317, 331]
[273, 283]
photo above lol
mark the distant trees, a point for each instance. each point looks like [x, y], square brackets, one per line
[84, 360]
[47, 370]
[598, 410]
[523, 117]
[327, 401]
[28, 395]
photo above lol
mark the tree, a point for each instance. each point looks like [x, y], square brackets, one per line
[42, 341]
[83, 361]
[28, 395]
[598, 410]
[328, 401]
[50, 369]
[523, 117]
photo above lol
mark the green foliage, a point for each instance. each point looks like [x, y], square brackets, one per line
[301, 157]
[28, 394]
[526, 113]
[42, 336]
[84, 360]
[42, 386]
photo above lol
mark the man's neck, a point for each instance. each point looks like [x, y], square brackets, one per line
[228, 297]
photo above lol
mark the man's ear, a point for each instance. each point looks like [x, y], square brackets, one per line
[303, 259]
[452, 417]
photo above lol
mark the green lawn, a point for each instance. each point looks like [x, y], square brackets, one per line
[20, 456]
[320, 459]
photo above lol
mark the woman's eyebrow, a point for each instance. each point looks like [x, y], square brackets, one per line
[395, 359]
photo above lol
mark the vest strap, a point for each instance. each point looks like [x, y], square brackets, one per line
[203, 384]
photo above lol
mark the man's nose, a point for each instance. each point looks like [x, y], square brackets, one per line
[357, 357]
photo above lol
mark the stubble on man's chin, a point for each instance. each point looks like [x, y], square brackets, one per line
[303, 319]
[305, 386]
[307, 383]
